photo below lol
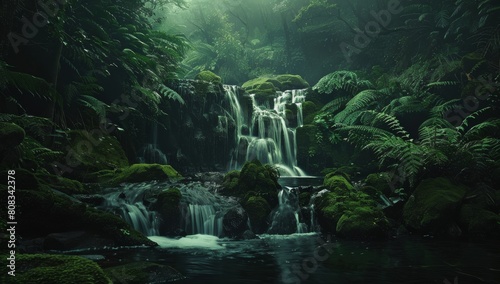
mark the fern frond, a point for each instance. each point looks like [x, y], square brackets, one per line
[391, 121]
[360, 101]
[98, 106]
[171, 94]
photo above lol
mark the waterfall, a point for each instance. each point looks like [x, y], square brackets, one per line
[204, 210]
[286, 218]
[128, 203]
[151, 153]
[271, 138]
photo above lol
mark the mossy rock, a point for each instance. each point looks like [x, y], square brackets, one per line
[11, 135]
[209, 76]
[331, 206]
[309, 111]
[143, 272]
[433, 205]
[50, 269]
[380, 181]
[291, 82]
[139, 173]
[261, 86]
[230, 181]
[92, 152]
[476, 221]
[268, 85]
[258, 210]
[167, 204]
[363, 223]
[334, 180]
[43, 211]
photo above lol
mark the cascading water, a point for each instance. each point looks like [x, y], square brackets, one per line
[271, 139]
[203, 210]
[129, 203]
[151, 153]
[286, 217]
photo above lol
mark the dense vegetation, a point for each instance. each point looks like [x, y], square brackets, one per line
[403, 100]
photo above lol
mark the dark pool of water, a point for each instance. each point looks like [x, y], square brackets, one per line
[307, 259]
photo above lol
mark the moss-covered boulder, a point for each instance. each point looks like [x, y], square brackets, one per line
[230, 182]
[261, 86]
[363, 223]
[43, 211]
[380, 181]
[361, 217]
[167, 204]
[433, 205]
[139, 173]
[254, 178]
[91, 152]
[291, 82]
[478, 222]
[334, 180]
[258, 210]
[11, 135]
[268, 85]
[50, 269]
[209, 76]
[143, 272]
[309, 111]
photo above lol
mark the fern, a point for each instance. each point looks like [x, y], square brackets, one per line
[346, 82]
[171, 94]
[27, 83]
[442, 84]
[390, 121]
[96, 105]
[352, 110]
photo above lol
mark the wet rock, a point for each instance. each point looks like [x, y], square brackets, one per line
[235, 222]
[74, 240]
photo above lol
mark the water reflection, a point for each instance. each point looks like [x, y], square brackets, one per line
[297, 259]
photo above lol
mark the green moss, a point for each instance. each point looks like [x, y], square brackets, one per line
[168, 206]
[260, 86]
[268, 85]
[309, 111]
[139, 173]
[208, 76]
[362, 222]
[230, 181]
[50, 269]
[333, 181]
[257, 209]
[433, 205]
[11, 135]
[380, 181]
[291, 82]
[331, 206]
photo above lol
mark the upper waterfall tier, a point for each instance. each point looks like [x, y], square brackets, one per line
[269, 133]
